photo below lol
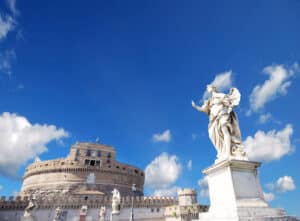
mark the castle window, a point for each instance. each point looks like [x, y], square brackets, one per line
[108, 161]
[77, 154]
[157, 210]
[136, 171]
[99, 153]
[87, 162]
[97, 162]
[88, 153]
[92, 162]
[109, 155]
[117, 167]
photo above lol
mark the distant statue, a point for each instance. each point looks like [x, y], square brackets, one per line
[30, 208]
[58, 214]
[102, 213]
[223, 128]
[116, 201]
[83, 210]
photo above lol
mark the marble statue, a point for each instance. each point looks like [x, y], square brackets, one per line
[57, 215]
[223, 128]
[30, 208]
[116, 200]
[102, 213]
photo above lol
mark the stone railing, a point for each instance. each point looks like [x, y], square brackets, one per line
[139, 202]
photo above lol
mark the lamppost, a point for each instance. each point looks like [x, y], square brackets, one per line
[133, 189]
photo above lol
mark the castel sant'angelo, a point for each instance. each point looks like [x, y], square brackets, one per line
[89, 168]
[80, 187]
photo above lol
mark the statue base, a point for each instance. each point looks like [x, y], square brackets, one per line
[114, 216]
[29, 218]
[236, 194]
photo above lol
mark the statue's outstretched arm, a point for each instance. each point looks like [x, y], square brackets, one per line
[203, 108]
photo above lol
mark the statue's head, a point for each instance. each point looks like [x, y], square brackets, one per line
[211, 88]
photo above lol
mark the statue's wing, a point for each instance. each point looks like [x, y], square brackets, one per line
[234, 96]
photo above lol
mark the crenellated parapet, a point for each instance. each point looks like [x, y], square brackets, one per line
[13, 203]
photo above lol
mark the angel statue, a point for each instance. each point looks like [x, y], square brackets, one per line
[30, 208]
[57, 214]
[116, 201]
[223, 127]
[102, 213]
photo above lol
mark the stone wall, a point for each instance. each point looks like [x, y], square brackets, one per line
[146, 208]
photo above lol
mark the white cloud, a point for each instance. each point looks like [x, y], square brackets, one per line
[172, 191]
[222, 81]
[163, 137]
[277, 84]
[7, 24]
[163, 171]
[21, 141]
[203, 183]
[189, 165]
[12, 6]
[37, 159]
[1, 187]
[285, 183]
[269, 146]
[269, 196]
[263, 118]
[204, 193]
[6, 59]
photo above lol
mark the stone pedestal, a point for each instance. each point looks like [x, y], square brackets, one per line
[114, 216]
[236, 194]
[30, 218]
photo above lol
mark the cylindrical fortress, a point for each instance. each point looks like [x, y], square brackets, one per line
[88, 168]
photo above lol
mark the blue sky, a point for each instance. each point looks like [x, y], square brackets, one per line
[125, 71]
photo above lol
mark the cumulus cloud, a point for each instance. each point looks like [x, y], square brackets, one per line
[189, 165]
[7, 24]
[277, 84]
[37, 159]
[203, 183]
[6, 59]
[171, 191]
[222, 81]
[269, 196]
[163, 171]
[263, 118]
[269, 146]
[21, 141]
[162, 137]
[285, 183]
